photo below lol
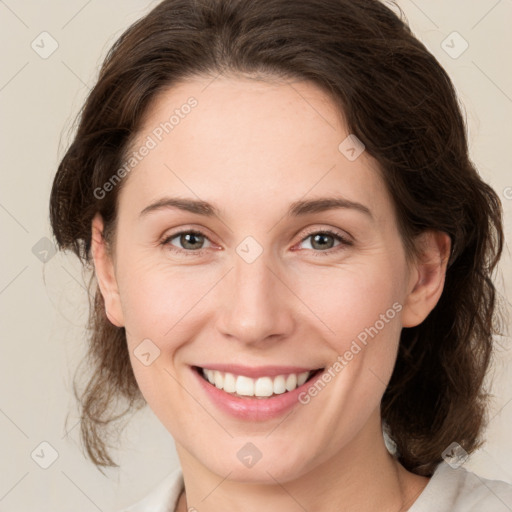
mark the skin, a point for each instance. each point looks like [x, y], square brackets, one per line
[251, 148]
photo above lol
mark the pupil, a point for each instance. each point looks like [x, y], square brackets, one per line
[190, 239]
[320, 237]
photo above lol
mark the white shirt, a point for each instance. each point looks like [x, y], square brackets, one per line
[449, 490]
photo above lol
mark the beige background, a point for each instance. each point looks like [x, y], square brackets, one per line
[43, 306]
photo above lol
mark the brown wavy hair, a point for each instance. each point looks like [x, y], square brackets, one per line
[398, 100]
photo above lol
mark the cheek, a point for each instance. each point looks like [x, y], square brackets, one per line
[163, 310]
[161, 302]
[354, 301]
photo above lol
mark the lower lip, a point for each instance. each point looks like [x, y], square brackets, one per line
[250, 408]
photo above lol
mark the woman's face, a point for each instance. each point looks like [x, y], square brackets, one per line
[296, 265]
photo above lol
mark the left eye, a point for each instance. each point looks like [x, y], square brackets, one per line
[324, 240]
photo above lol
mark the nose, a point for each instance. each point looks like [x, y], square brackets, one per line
[256, 303]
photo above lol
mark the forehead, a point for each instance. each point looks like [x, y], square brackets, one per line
[242, 141]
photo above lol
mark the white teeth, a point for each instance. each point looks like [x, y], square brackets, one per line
[244, 386]
[279, 385]
[229, 383]
[260, 387]
[264, 387]
[291, 382]
[303, 377]
[218, 379]
[210, 376]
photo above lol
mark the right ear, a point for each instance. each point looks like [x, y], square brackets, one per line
[105, 275]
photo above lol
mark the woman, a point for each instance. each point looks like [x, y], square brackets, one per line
[293, 254]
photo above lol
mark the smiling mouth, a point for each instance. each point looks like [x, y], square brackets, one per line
[262, 387]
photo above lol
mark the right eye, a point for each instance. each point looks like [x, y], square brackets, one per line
[191, 241]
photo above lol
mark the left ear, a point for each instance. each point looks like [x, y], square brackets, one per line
[427, 276]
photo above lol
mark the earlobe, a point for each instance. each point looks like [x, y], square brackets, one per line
[105, 275]
[427, 277]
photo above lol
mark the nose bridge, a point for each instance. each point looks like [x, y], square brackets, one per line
[254, 307]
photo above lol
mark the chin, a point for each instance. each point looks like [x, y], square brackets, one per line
[245, 463]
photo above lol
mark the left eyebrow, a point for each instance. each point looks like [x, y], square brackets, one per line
[326, 203]
[296, 209]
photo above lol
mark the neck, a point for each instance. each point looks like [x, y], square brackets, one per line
[362, 476]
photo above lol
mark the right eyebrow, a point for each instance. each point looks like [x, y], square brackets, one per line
[190, 205]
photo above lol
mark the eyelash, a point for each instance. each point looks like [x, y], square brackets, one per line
[344, 242]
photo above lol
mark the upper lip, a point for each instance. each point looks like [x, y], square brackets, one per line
[257, 371]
